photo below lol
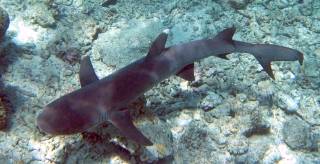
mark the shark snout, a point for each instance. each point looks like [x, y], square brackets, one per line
[60, 120]
[45, 120]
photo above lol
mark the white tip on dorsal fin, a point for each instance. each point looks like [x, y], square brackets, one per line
[158, 45]
[166, 31]
[86, 73]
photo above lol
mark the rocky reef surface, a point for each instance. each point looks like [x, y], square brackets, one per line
[232, 113]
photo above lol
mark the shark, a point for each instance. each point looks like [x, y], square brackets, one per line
[108, 98]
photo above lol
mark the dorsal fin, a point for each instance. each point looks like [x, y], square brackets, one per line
[226, 35]
[86, 73]
[187, 72]
[158, 45]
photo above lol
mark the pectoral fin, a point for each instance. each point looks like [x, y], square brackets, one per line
[187, 72]
[223, 56]
[86, 73]
[123, 121]
[266, 65]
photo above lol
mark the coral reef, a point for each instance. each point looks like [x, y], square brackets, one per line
[119, 46]
[107, 137]
[297, 134]
[107, 3]
[44, 16]
[250, 118]
[70, 55]
[239, 4]
[4, 22]
[5, 110]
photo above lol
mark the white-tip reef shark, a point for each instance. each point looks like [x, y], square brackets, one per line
[107, 99]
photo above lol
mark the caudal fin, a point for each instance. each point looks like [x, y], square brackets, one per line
[266, 53]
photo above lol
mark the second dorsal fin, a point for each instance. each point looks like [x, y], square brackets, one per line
[86, 73]
[158, 45]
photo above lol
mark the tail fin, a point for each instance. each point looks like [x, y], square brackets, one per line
[266, 53]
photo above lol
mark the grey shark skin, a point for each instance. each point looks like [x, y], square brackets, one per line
[107, 99]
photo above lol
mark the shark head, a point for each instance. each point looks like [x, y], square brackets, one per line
[85, 108]
[63, 117]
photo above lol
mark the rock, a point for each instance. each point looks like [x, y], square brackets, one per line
[107, 3]
[120, 46]
[239, 4]
[272, 155]
[211, 101]
[5, 110]
[315, 26]
[265, 92]
[306, 9]
[315, 138]
[42, 15]
[222, 110]
[285, 3]
[310, 106]
[249, 107]
[238, 145]
[4, 22]
[258, 123]
[297, 134]
[70, 55]
[309, 67]
[316, 11]
[286, 102]
[64, 2]
[195, 145]
[317, 53]
[158, 132]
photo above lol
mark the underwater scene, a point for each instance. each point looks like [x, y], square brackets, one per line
[160, 81]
